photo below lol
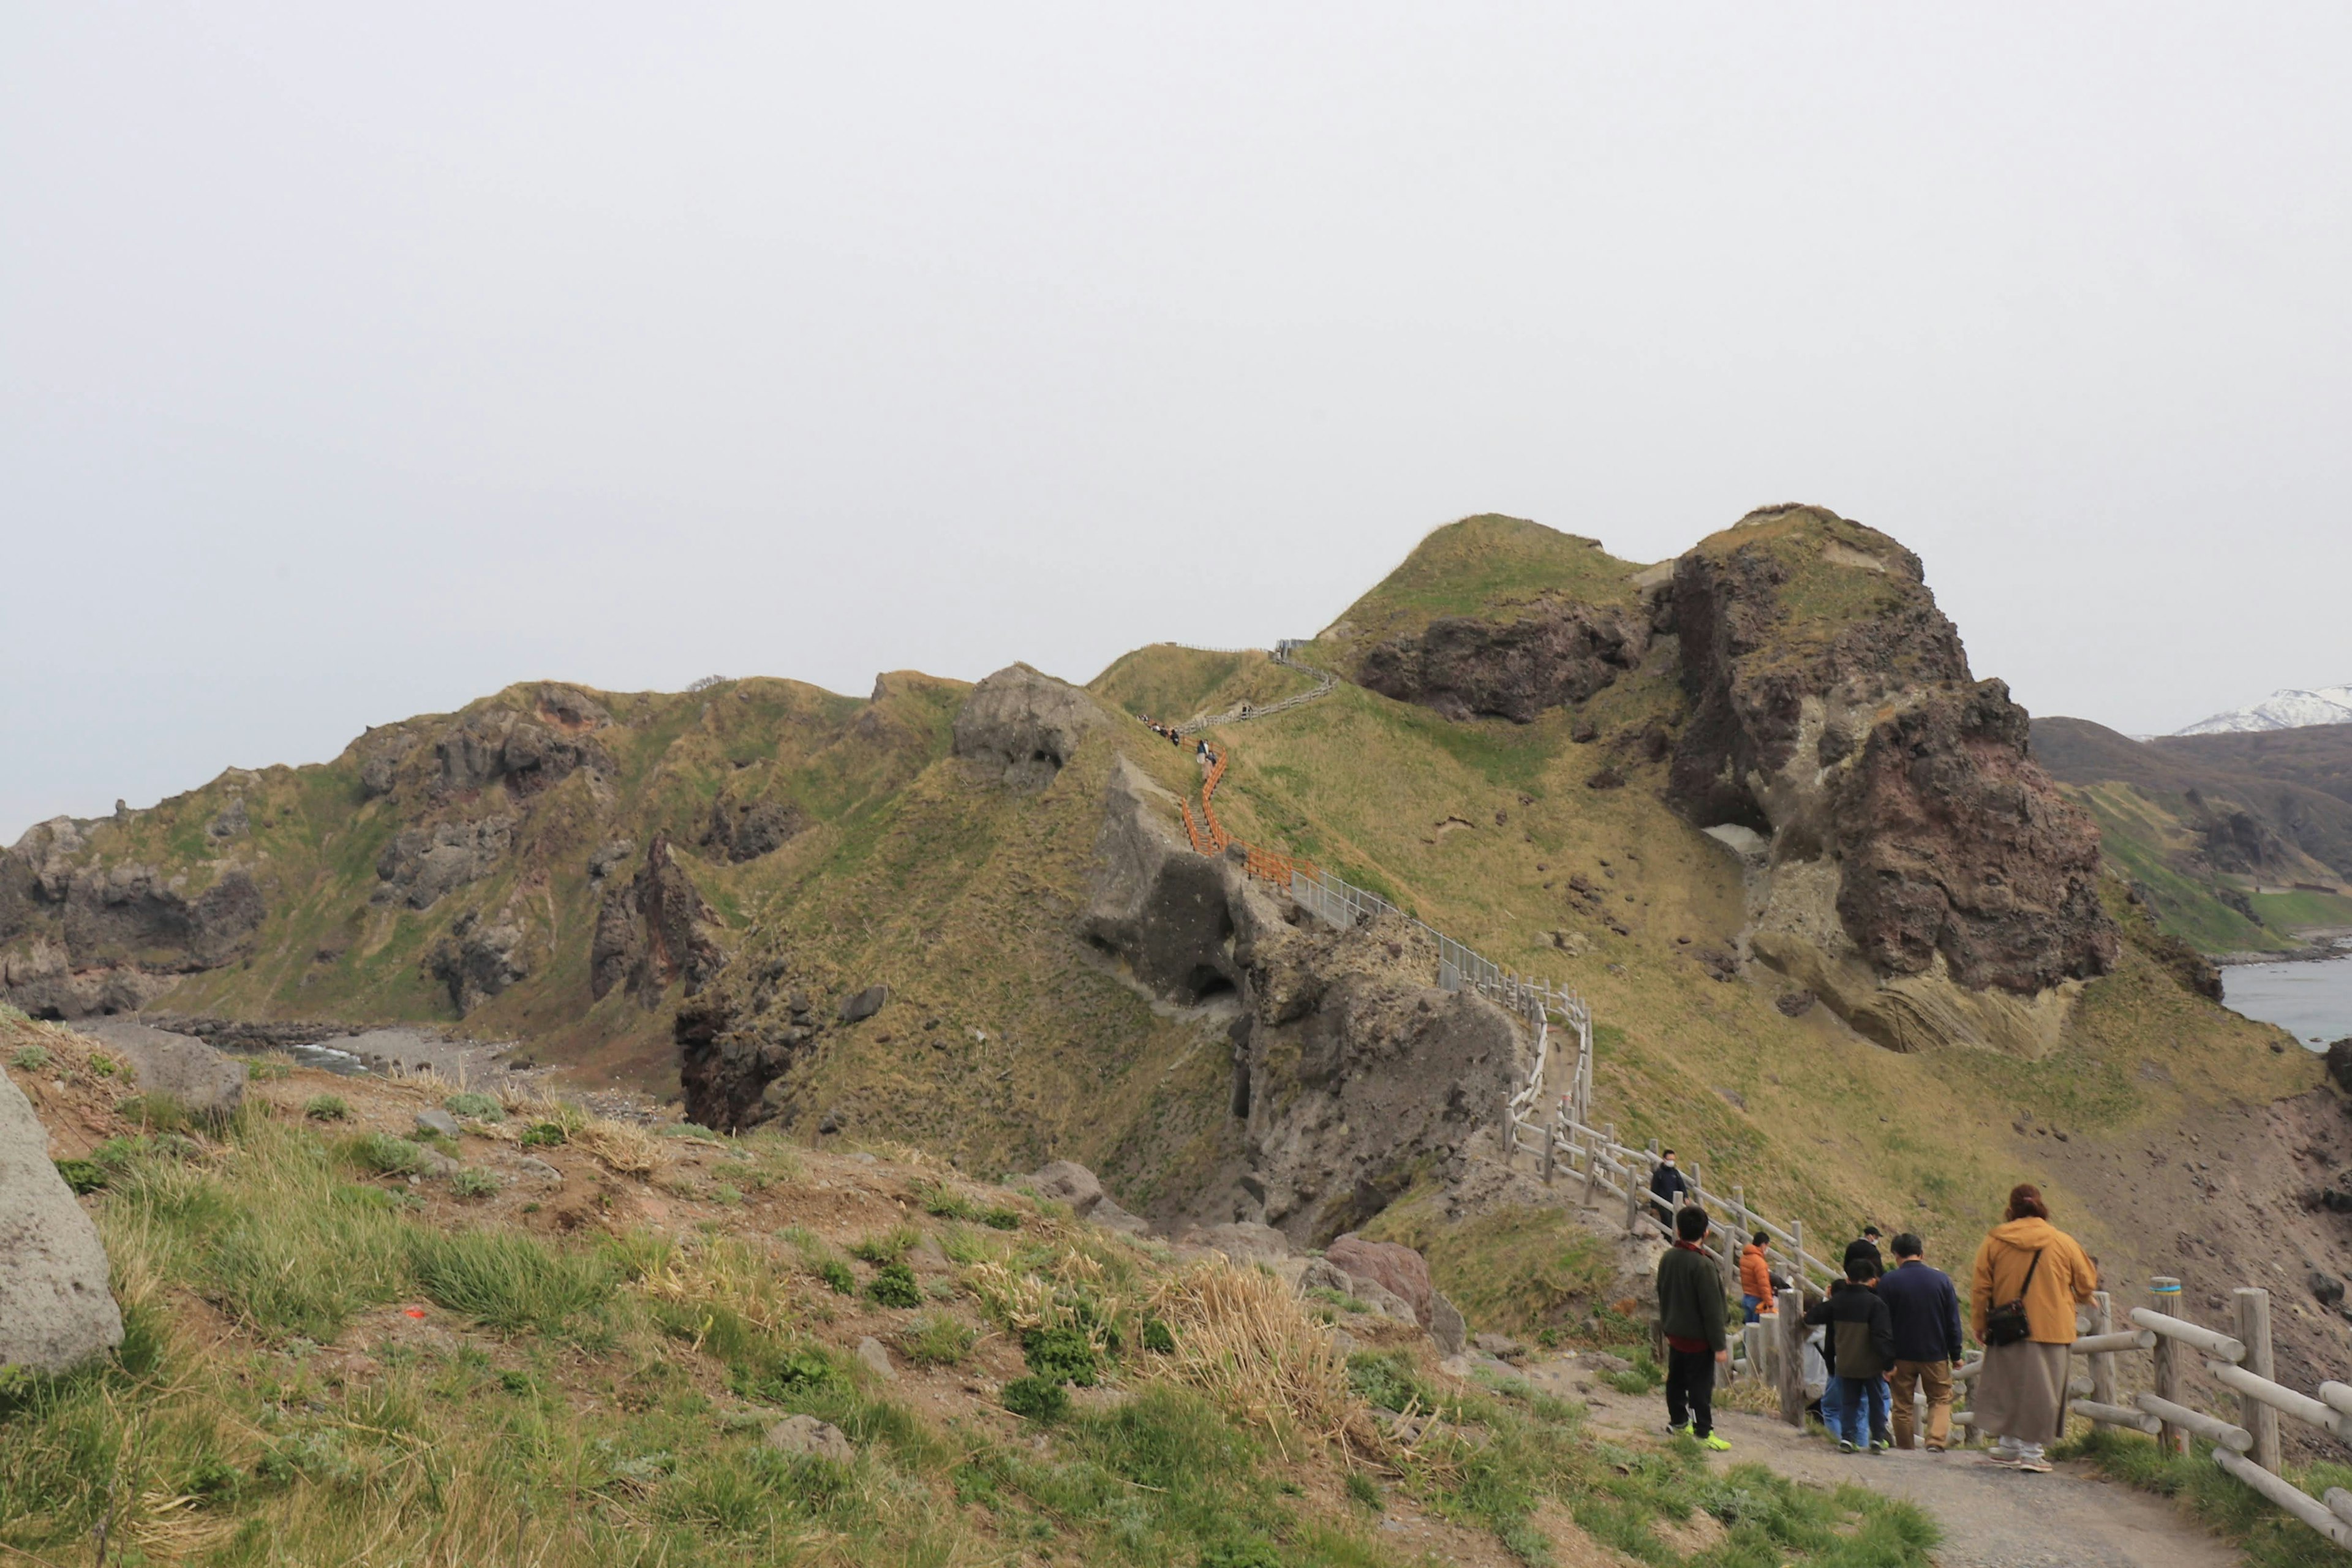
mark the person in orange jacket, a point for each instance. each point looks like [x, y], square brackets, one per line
[1756, 1279]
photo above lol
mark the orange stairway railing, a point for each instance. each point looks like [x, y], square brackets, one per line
[1209, 836]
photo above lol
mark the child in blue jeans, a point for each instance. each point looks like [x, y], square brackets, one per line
[1862, 1339]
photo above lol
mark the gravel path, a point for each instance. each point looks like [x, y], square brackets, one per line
[1991, 1518]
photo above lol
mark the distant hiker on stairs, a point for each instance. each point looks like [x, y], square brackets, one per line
[1667, 1189]
[1690, 1315]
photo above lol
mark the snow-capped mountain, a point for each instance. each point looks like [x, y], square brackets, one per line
[2289, 709]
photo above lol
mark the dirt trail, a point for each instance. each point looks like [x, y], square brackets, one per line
[1991, 1518]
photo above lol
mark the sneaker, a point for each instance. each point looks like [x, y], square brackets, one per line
[1878, 1448]
[1678, 1430]
[1844, 1446]
[1715, 1443]
[2035, 1467]
[2007, 1461]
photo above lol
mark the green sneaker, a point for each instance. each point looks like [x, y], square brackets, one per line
[1715, 1443]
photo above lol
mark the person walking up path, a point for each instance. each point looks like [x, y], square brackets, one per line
[2028, 1278]
[1925, 1312]
[1691, 1314]
[1756, 1296]
[1863, 1341]
[1667, 1186]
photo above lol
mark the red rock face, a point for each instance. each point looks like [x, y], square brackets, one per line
[1557, 653]
[1919, 783]
[1953, 841]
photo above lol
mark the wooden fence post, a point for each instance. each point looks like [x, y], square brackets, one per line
[2255, 1329]
[1789, 1356]
[1592, 1165]
[1550, 1135]
[1633, 1188]
[2103, 1363]
[2164, 1295]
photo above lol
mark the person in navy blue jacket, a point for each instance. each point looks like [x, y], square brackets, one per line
[1926, 1314]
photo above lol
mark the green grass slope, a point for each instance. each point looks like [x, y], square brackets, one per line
[1490, 568]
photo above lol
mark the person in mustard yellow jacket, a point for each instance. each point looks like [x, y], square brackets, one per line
[1756, 1279]
[2020, 1395]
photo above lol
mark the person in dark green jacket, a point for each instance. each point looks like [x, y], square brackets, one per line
[1691, 1315]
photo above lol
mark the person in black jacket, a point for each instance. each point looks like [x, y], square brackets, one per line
[1690, 1315]
[1863, 1338]
[1926, 1313]
[1866, 1246]
[1666, 1190]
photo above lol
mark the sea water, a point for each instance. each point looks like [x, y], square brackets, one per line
[2311, 1001]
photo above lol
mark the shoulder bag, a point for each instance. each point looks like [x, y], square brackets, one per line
[2005, 1323]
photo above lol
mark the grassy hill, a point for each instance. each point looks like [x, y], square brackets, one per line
[1006, 1039]
[2217, 829]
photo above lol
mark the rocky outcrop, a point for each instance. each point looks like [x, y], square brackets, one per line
[745, 830]
[479, 958]
[56, 1311]
[97, 939]
[655, 929]
[526, 752]
[1022, 726]
[731, 1073]
[1919, 872]
[1354, 1074]
[420, 865]
[200, 1079]
[1397, 1269]
[1172, 915]
[1557, 653]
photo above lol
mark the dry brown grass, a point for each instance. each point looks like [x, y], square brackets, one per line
[1243, 1338]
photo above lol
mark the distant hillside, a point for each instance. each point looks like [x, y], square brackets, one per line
[2288, 709]
[2227, 836]
[1753, 802]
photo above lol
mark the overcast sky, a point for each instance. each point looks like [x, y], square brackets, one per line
[355, 362]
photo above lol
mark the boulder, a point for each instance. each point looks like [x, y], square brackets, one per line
[2325, 1288]
[1399, 1269]
[540, 1171]
[1067, 1182]
[1502, 1347]
[857, 1008]
[1321, 1274]
[870, 1351]
[55, 1309]
[807, 1435]
[1246, 1241]
[1109, 1216]
[1446, 1327]
[204, 1082]
[441, 1121]
[1024, 726]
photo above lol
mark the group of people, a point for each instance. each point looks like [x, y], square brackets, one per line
[1885, 1336]
[1174, 737]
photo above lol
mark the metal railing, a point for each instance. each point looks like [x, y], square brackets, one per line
[1283, 653]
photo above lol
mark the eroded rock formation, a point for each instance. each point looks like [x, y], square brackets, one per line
[655, 929]
[56, 1311]
[1919, 871]
[1024, 726]
[1556, 654]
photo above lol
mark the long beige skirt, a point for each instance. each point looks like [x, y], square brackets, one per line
[2022, 1393]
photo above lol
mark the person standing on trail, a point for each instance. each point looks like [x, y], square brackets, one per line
[1862, 1343]
[1866, 1246]
[1666, 1190]
[2028, 1278]
[1756, 1279]
[1690, 1315]
[1925, 1310]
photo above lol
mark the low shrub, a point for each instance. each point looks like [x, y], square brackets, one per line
[327, 1108]
[835, 1273]
[266, 1070]
[1063, 1355]
[887, 1246]
[1157, 1337]
[29, 1059]
[1038, 1398]
[894, 1286]
[474, 1184]
[480, 1107]
[83, 1176]
[543, 1135]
